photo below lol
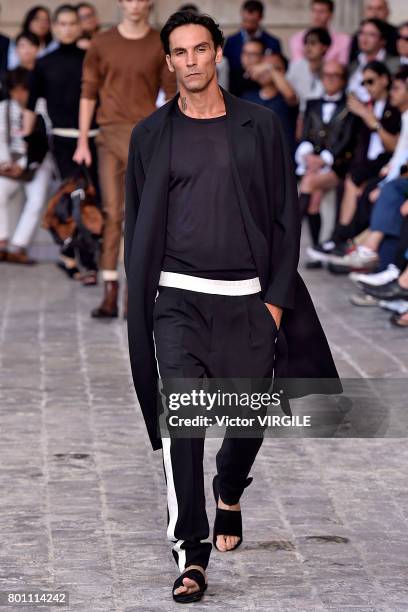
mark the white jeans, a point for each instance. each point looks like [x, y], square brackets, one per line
[36, 192]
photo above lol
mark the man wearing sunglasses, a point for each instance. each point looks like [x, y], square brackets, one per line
[372, 39]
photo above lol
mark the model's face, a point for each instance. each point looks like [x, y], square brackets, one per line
[40, 24]
[333, 78]
[27, 52]
[252, 54]
[251, 21]
[320, 15]
[399, 94]
[375, 84]
[135, 10]
[402, 43]
[369, 39]
[88, 20]
[193, 57]
[314, 49]
[66, 28]
[376, 9]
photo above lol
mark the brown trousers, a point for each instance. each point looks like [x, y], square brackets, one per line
[113, 145]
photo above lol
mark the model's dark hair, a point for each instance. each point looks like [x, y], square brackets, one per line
[253, 6]
[402, 75]
[64, 8]
[381, 26]
[321, 34]
[19, 77]
[379, 68]
[33, 38]
[182, 18]
[329, 3]
[32, 14]
[189, 7]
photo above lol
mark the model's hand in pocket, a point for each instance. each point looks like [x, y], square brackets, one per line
[276, 313]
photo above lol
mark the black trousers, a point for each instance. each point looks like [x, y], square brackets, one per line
[201, 335]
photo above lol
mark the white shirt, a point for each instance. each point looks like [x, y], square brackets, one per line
[375, 146]
[354, 84]
[18, 145]
[306, 84]
[400, 155]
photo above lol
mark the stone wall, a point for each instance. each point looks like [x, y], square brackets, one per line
[282, 16]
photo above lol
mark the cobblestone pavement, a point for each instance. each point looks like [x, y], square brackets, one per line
[82, 505]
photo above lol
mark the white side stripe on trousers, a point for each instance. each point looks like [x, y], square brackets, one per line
[171, 492]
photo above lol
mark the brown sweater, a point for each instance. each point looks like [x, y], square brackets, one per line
[125, 75]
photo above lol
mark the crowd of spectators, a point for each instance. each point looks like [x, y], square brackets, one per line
[67, 85]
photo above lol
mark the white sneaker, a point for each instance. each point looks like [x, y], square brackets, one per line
[362, 258]
[400, 306]
[376, 279]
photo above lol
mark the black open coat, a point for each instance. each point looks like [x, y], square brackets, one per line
[267, 194]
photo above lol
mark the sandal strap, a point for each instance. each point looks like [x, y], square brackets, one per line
[228, 522]
[193, 574]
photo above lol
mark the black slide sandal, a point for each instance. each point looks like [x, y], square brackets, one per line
[198, 577]
[227, 522]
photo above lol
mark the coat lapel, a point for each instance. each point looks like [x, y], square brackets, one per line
[242, 142]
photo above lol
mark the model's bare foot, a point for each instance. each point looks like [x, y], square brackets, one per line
[190, 586]
[226, 542]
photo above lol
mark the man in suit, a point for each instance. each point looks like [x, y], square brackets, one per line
[377, 9]
[327, 143]
[372, 41]
[251, 13]
[212, 225]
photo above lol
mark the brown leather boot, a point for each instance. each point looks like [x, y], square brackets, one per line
[20, 257]
[109, 306]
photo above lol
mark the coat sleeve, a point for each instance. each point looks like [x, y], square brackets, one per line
[285, 217]
[133, 191]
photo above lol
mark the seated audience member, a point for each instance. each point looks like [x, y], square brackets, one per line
[376, 141]
[397, 288]
[27, 48]
[371, 44]
[386, 218]
[275, 91]
[251, 14]
[328, 139]
[38, 22]
[89, 24]
[402, 44]
[305, 74]
[321, 14]
[377, 9]
[24, 163]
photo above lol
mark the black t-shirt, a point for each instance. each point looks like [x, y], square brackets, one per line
[205, 231]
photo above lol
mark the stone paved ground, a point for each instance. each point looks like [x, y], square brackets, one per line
[82, 503]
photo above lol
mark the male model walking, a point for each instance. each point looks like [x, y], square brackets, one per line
[212, 222]
[57, 78]
[124, 68]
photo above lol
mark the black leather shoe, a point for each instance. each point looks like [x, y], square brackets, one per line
[389, 291]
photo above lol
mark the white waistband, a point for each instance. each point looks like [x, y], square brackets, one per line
[72, 132]
[209, 285]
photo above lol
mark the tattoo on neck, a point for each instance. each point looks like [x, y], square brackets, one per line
[184, 103]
